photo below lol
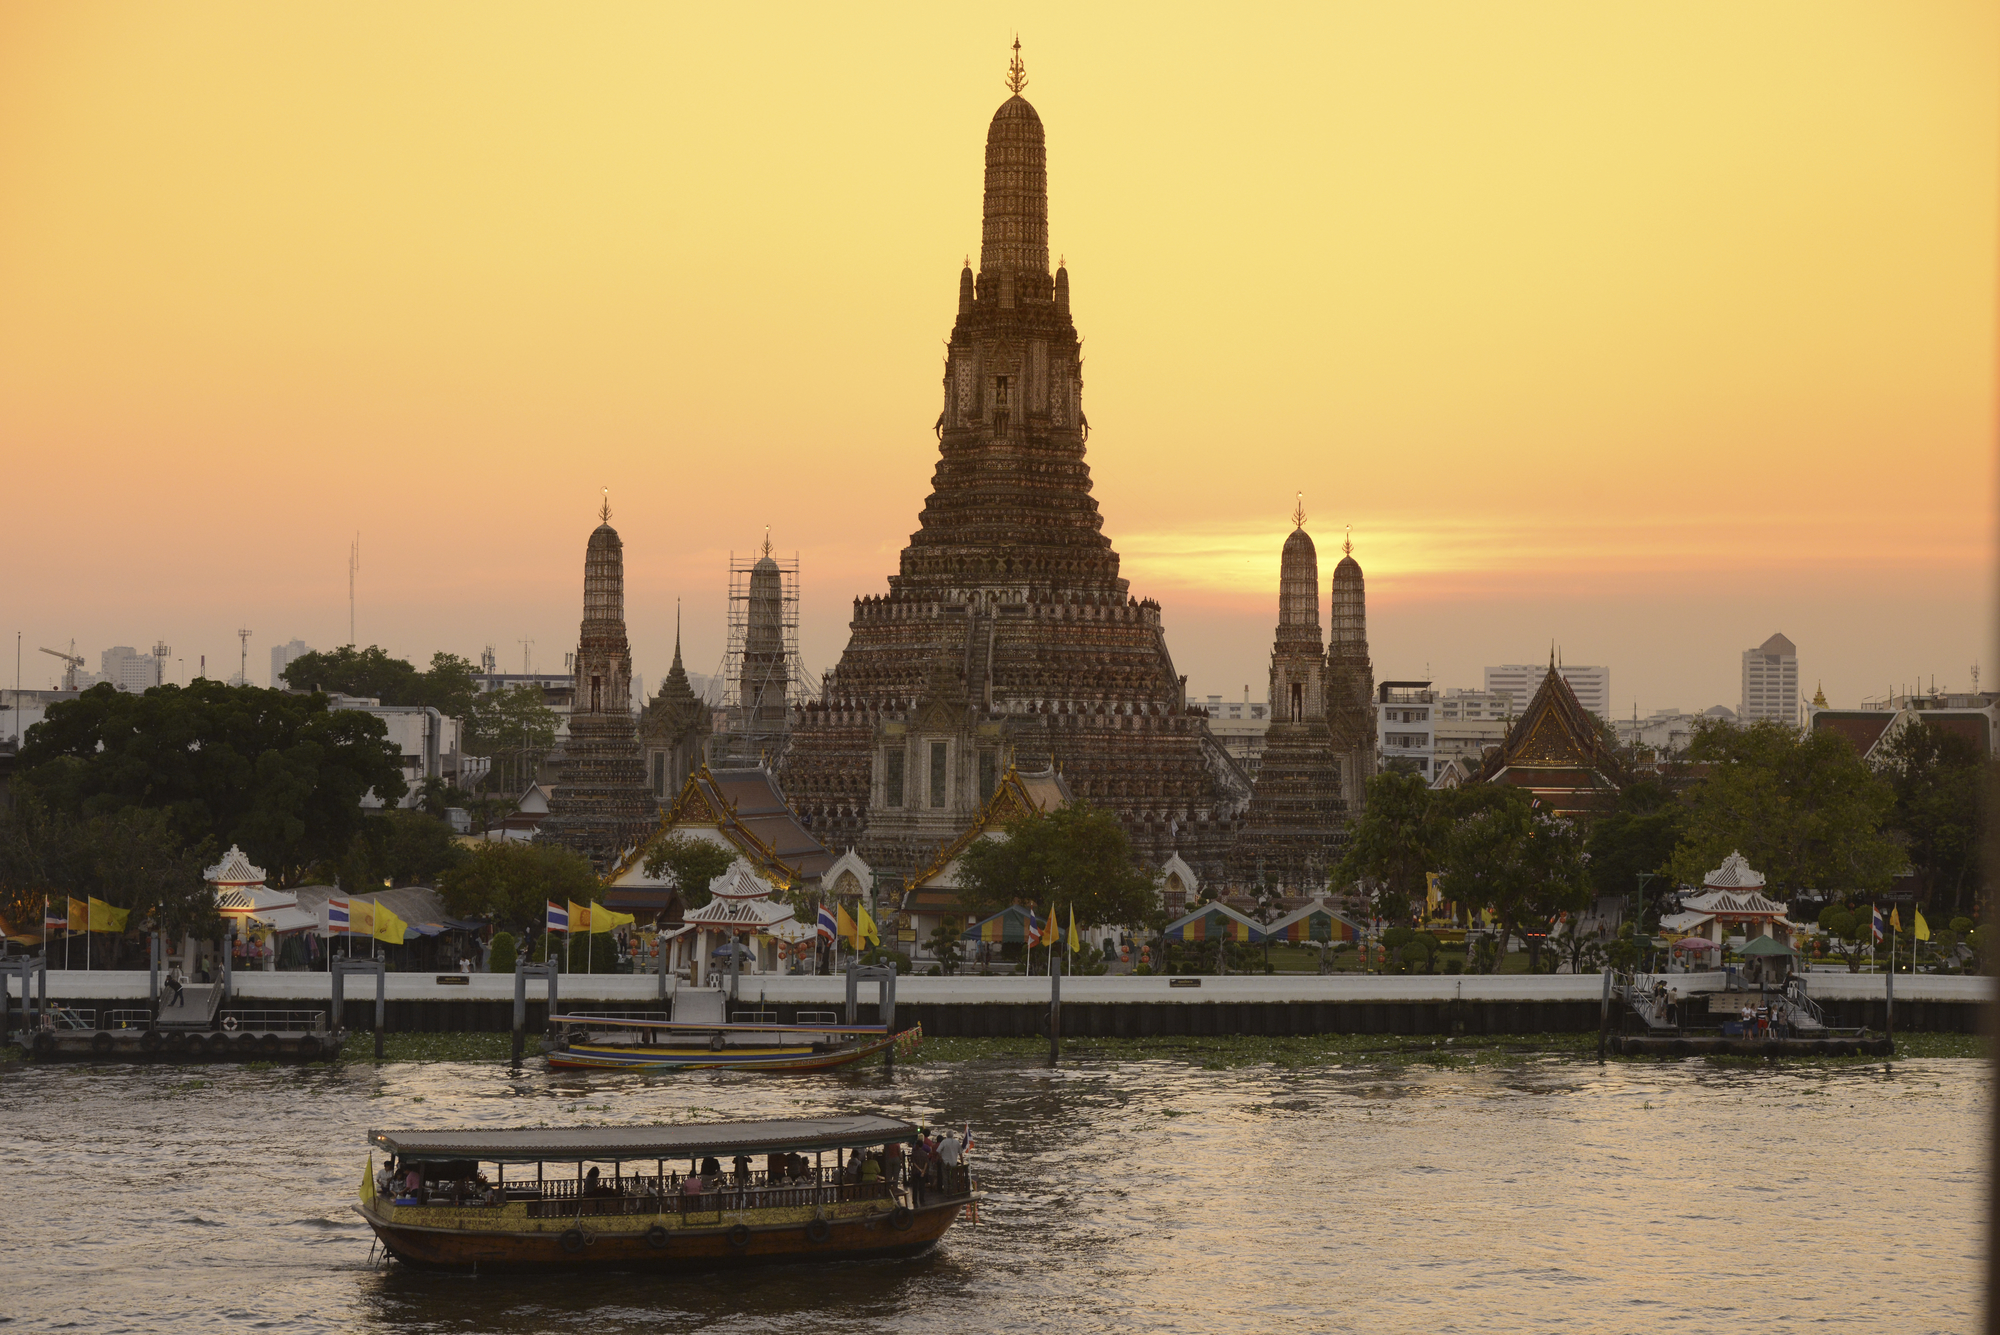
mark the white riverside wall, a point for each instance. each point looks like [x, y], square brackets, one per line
[595, 990]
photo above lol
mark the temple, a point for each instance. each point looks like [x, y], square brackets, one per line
[1350, 682]
[1292, 834]
[674, 729]
[1559, 752]
[1007, 639]
[601, 804]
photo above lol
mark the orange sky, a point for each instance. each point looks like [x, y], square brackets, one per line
[1647, 330]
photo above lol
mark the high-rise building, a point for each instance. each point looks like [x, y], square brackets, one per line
[1771, 682]
[601, 804]
[282, 657]
[1519, 682]
[1007, 638]
[129, 670]
[1291, 833]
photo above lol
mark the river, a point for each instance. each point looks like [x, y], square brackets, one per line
[1125, 1195]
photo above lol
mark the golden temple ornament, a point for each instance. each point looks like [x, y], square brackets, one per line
[604, 511]
[1017, 73]
[1299, 514]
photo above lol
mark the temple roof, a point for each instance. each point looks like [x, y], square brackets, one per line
[746, 807]
[234, 869]
[1016, 795]
[1557, 750]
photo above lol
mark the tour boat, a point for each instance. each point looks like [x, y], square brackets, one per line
[671, 1045]
[687, 1198]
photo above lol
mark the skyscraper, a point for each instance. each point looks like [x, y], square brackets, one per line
[1519, 682]
[282, 657]
[1771, 682]
[1007, 637]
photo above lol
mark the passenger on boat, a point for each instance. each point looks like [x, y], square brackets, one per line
[871, 1170]
[590, 1187]
[920, 1167]
[892, 1162]
[741, 1163]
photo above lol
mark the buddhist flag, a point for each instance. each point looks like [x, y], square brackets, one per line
[603, 919]
[104, 918]
[558, 917]
[1923, 932]
[79, 916]
[388, 927]
[1072, 928]
[361, 917]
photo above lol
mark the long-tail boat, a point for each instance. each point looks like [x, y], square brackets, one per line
[658, 1198]
[591, 1042]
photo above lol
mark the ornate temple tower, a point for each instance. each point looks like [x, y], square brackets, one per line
[674, 729]
[1292, 834]
[1007, 636]
[1350, 682]
[601, 804]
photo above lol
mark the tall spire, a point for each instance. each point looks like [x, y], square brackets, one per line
[677, 634]
[1347, 548]
[604, 512]
[1014, 237]
[1299, 515]
[767, 539]
[1017, 73]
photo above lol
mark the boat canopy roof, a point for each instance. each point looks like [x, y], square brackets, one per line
[688, 1140]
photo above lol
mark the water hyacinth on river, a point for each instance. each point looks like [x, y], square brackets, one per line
[1125, 1190]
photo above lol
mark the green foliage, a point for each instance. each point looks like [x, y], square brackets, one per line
[1624, 951]
[280, 775]
[1805, 811]
[447, 687]
[515, 728]
[578, 952]
[511, 882]
[1075, 857]
[504, 953]
[1939, 817]
[1398, 840]
[945, 946]
[689, 865]
[1852, 927]
[1637, 839]
[131, 859]
[1523, 865]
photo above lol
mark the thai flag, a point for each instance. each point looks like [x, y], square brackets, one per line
[336, 915]
[558, 917]
[829, 926]
[1877, 915]
[50, 918]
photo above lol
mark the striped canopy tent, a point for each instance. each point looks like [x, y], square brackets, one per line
[1314, 922]
[1214, 922]
[1010, 926]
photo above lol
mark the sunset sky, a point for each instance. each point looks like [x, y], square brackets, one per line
[1648, 330]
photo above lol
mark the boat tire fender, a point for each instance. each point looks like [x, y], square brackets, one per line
[270, 1043]
[572, 1240]
[44, 1044]
[309, 1046]
[818, 1230]
[739, 1236]
[901, 1218]
[196, 1045]
[149, 1041]
[100, 1042]
[715, 1044]
[656, 1237]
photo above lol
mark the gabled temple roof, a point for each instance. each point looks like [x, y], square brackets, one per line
[1016, 795]
[1557, 751]
[747, 809]
[1735, 873]
[234, 869]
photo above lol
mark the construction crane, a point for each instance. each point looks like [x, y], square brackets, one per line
[72, 661]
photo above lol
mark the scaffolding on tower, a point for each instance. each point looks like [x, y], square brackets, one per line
[762, 675]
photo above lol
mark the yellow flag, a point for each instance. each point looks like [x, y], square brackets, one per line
[603, 919]
[1433, 890]
[864, 927]
[361, 917]
[579, 917]
[388, 927]
[1923, 928]
[104, 918]
[79, 916]
[849, 930]
[1072, 929]
[1895, 921]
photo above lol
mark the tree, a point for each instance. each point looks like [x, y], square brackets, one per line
[280, 775]
[1634, 843]
[944, 945]
[1851, 928]
[1508, 856]
[132, 859]
[1939, 817]
[514, 728]
[688, 864]
[1397, 842]
[511, 883]
[1804, 810]
[450, 686]
[501, 958]
[1076, 857]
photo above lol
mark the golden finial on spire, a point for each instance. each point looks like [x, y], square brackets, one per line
[1347, 548]
[1299, 515]
[767, 539]
[604, 511]
[1017, 73]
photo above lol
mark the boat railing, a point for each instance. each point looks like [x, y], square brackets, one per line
[264, 1022]
[651, 1194]
[816, 1017]
[71, 1017]
[754, 1017]
[613, 1015]
[129, 1019]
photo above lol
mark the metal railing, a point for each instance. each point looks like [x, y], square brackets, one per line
[264, 1022]
[128, 1019]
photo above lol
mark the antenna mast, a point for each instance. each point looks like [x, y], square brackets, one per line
[353, 569]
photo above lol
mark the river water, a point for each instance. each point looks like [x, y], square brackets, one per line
[1142, 1195]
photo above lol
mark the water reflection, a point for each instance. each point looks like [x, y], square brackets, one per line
[1141, 1195]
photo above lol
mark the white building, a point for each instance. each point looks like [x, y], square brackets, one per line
[1771, 682]
[129, 670]
[1519, 682]
[1664, 731]
[425, 738]
[282, 657]
[1406, 725]
[1240, 727]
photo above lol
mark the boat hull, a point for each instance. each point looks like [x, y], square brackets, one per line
[780, 1060]
[627, 1243]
